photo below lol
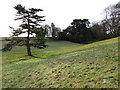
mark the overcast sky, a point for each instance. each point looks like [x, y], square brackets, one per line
[60, 12]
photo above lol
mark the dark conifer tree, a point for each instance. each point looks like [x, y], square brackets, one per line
[30, 24]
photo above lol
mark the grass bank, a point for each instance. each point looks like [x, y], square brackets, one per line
[63, 65]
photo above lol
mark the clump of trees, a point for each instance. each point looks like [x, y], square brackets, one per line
[52, 31]
[79, 31]
[55, 30]
[30, 25]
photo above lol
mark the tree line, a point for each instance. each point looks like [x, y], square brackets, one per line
[81, 32]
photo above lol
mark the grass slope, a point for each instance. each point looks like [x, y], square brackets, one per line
[63, 65]
[0, 64]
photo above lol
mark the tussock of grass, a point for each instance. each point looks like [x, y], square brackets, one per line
[63, 65]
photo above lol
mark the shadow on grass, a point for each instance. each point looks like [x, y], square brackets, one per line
[36, 57]
[24, 58]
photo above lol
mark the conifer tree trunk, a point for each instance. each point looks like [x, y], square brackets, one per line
[28, 45]
[27, 41]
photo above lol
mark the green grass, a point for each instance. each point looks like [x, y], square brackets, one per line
[0, 64]
[63, 65]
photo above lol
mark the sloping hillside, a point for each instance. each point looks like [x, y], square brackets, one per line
[63, 65]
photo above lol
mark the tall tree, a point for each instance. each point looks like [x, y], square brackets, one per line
[30, 21]
[30, 24]
[117, 6]
[48, 30]
[53, 30]
[111, 20]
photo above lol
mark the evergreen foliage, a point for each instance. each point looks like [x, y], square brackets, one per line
[30, 25]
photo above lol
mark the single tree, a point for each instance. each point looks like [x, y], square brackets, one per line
[48, 30]
[53, 30]
[30, 25]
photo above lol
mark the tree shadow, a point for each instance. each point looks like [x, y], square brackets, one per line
[36, 57]
[23, 59]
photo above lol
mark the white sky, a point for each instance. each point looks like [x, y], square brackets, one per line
[60, 12]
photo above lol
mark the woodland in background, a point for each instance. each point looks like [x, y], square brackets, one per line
[81, 32]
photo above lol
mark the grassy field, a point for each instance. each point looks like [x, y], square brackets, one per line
[63, 65]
